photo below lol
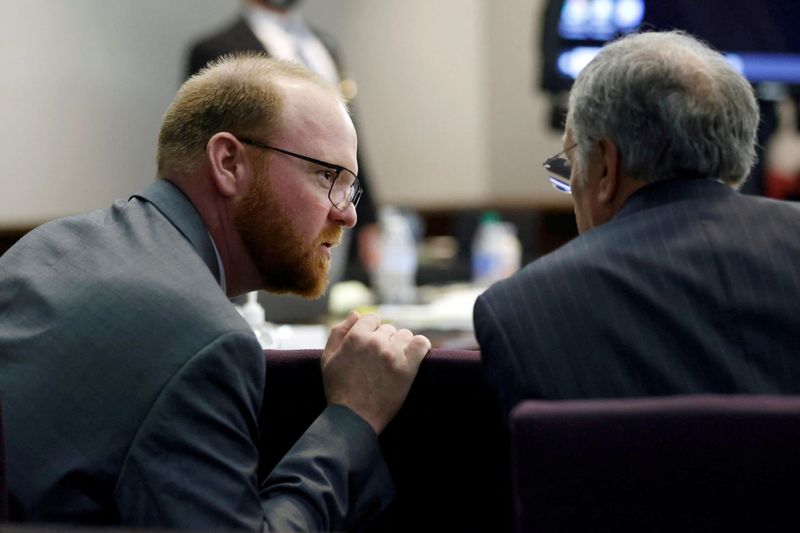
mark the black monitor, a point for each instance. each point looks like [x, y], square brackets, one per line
[761, 38]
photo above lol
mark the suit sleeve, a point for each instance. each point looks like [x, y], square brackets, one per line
[193, 463]
[498, 358]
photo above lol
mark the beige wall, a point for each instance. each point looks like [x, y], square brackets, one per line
[83, 86]
[446, 105]
[420, 66]
[520, 138]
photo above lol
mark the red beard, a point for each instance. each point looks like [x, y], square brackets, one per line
[285, 261]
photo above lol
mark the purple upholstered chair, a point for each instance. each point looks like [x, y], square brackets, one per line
[682, 463]
[447, 448]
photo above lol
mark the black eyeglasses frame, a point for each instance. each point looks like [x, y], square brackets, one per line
[357, 189]
[559, 170]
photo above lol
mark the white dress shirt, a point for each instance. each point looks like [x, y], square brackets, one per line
[286, 36]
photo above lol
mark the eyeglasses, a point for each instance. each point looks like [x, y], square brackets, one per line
[559, 170]
[345, 187]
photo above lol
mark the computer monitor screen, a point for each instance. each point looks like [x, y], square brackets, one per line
[760, 38]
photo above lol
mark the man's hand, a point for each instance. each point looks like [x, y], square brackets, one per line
[369, 367]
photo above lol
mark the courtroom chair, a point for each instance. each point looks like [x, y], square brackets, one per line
[447, 448]
[682, 463]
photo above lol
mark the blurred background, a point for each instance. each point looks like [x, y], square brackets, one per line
[445, 98]
[459, 101]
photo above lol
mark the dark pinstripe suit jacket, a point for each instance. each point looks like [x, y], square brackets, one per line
[692, 287]
[132, 388]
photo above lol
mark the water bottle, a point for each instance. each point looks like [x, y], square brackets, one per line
[496, 251]
[253, 313]
[395, 276]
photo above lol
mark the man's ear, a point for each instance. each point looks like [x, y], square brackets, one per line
[228, 164]
[609, 185]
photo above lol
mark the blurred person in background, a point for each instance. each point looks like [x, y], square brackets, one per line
[782, 155]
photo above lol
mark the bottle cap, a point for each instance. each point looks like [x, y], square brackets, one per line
[490, 216]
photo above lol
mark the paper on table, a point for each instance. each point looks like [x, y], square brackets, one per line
[297, 337]
[452, 311]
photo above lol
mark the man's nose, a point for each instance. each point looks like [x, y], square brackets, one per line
[346, 218]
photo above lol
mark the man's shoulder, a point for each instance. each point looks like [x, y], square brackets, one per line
[550, 280]
[55, 242]
[220, 32]
[126, 260]
[581, 252]
[233, 36]
[770, 206]
[104, 241]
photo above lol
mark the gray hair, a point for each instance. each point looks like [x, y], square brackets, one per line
[673, 106]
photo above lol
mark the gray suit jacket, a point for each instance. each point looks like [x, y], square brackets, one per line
[131, 387]
[691, 288]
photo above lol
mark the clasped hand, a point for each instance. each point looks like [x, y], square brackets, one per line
[369, 367]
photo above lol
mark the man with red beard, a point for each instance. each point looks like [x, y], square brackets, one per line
[132, 387]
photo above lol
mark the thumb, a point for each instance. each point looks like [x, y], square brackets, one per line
[339, 331]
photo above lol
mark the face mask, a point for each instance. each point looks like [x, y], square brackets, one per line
[280, 4]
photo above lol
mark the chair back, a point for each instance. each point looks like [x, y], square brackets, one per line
[447, 448]
[683, 463]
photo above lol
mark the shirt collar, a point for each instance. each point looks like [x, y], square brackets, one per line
[220, 266]
[287, 36]
[277, 31]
